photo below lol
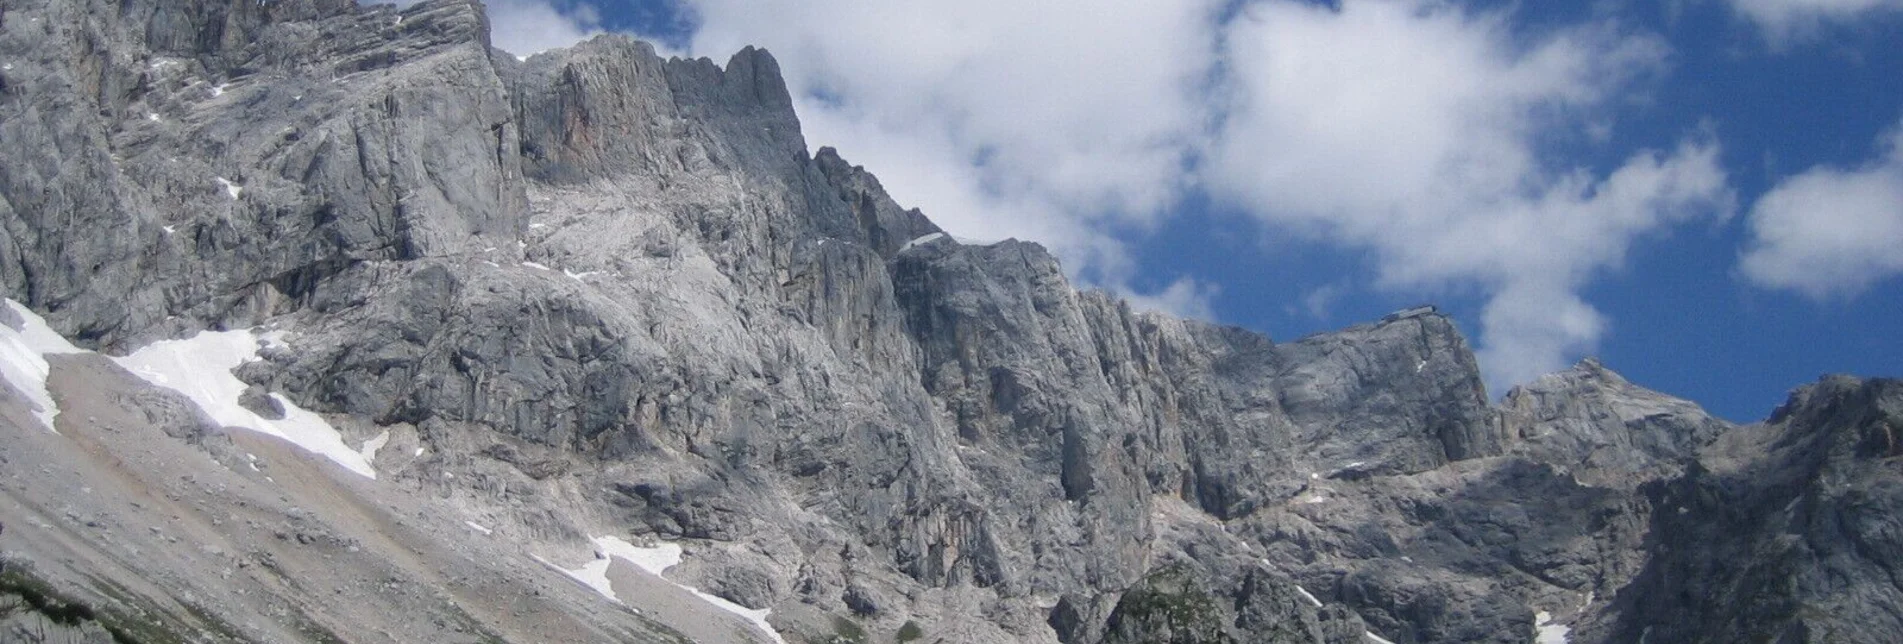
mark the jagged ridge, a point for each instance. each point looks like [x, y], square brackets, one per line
[614, 294]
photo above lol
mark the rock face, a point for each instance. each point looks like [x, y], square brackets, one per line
[1603, 430]
[1786, 532]
[601, 293]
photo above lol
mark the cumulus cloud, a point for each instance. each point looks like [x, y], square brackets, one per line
[1320, 302]
[528, 27]
[1783, 20]
[1417, 130]
[1831, 232]
[1186, 297]
[1049, 121]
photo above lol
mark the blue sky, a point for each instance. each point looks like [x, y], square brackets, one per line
[1706, 194]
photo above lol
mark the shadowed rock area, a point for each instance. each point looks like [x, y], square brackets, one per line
[601, 294]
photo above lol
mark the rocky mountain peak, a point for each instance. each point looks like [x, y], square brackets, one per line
[597, 316]
[1603, 429]
[1770, 517]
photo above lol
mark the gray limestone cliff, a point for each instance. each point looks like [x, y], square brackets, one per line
[600, 292]
[1785, 532]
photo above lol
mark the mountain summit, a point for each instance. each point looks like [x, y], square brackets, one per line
[332, 323]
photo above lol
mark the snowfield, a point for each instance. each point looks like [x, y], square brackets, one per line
[200, 367]
[655, 560]
[23, 359]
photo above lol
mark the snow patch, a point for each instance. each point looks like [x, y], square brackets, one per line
[200, 367]
[219, 89]
[1308, 596]
[231, 189]
[23, 359]
[655, 560]
[925, 239]
[1377, 639]
[6, 68]
[168, 229]
[1418, 366]
[1549, 633]
[486, 532]
[1314, 498]
[153, 117]
[418, 452]
[535, 266]
[579, 276]
[593, 574]
[370, 447]
[538, 225]
[658, 559]
[969, 241]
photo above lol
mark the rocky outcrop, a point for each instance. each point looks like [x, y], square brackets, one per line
[599, 292]
[1604, 430]
[1174, 604]
[240, 153]
[1784, 532]
[1401, 396]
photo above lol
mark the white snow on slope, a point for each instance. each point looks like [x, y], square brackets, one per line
[926, 239]
[372, 446]
[486, 532]
[231, 189]
[1550, 633]
[200, 367]
[539, 267]
[23, 359]
[593, 574]
[1377, 639]
[1309, 596]
[655, 561]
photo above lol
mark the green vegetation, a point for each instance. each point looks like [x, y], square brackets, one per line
[1168, 605]
[910, 631]
[848, 630]
[41, 598]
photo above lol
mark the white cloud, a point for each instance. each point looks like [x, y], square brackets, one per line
[1185, 297]
[1783, 20]
[1320, 302]
[1831, 232]
[528, 27]
[1045, 121]
[1415, 129]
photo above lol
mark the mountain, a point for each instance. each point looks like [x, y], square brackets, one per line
[333, 323]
